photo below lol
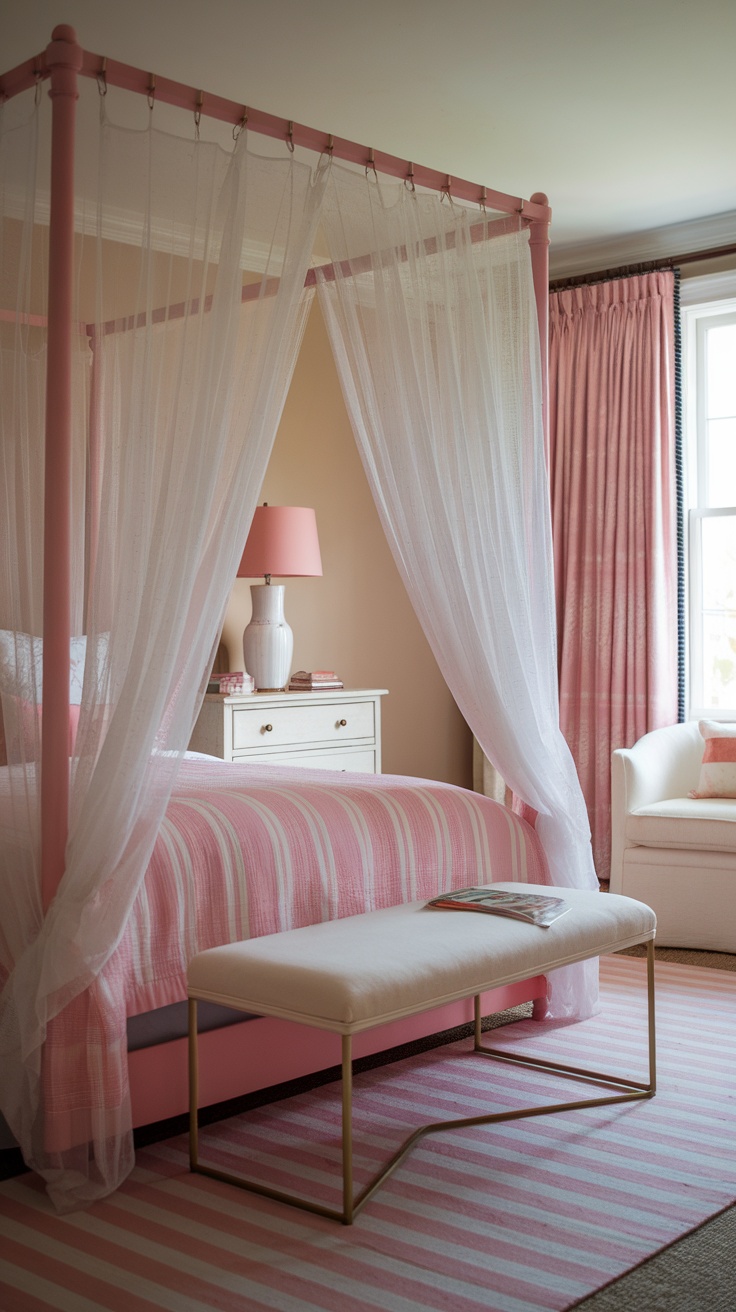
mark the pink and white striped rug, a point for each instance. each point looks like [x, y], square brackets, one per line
[517, 1217]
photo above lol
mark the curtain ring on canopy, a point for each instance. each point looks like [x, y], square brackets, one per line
[445, 189]
[482, 199]
[290, 136]
[37, 93]
[151, 90]
[198, 114]
[327, 150]
[371, 164]
[409, 179]
[102, 77]
[242, 124]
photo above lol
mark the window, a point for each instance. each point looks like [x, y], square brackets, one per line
[710, 447]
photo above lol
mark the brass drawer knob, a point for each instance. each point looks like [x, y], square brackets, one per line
[267, 728]
[341, 724]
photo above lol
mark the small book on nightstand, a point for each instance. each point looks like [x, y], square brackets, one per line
[314, 680]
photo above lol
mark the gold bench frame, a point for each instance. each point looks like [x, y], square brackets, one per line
[351, 1205]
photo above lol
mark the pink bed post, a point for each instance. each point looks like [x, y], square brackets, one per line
[94, 473]
[63, 60]
[539, 250]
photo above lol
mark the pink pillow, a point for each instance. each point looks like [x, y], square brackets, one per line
[718, 771]
[29, 713]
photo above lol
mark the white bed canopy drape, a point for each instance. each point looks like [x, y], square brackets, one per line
[185, 405]
[436, 341]
[191, 263]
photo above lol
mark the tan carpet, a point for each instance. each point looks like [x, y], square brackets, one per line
[689, 957]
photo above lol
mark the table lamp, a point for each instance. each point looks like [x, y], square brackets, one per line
[282, 543]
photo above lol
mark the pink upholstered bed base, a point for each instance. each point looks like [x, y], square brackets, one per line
[259, 1053]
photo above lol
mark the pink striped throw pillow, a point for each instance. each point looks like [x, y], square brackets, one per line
[718, 771]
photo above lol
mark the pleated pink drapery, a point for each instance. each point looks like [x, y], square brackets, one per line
[612, 475]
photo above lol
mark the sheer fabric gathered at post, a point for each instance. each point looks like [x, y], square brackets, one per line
[436, 341]
[191, 265]
[188, 382]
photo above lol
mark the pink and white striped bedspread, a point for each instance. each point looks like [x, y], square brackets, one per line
[246, 850]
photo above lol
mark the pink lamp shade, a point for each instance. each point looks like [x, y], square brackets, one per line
[282, 542]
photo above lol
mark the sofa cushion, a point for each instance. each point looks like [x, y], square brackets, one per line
[693, 823]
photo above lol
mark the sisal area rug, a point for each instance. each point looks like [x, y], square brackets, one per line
[517, 1217]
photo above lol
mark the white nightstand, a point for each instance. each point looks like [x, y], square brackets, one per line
[322, 730]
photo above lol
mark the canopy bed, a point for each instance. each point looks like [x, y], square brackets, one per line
[144, 373]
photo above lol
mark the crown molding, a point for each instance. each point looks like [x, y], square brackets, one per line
[710, 288]
[125, 227]
[638, 247]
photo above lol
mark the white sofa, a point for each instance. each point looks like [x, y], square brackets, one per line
[676, 853]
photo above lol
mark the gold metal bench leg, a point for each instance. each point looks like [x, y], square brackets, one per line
[635, 1088]
[347, 1129]
[348, 1211]
[626, 1090]
[193, 1086]
[650, 1019]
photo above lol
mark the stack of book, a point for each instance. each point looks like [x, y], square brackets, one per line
[231, 683]
[314, 681]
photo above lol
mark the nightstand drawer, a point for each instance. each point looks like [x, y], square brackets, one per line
[335, 730]
[288, 726]
[350, 759]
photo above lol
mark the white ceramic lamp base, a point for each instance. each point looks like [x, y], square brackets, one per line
[268, 642]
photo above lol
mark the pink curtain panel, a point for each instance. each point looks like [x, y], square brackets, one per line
[612, 475]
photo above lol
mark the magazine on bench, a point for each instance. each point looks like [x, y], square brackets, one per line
[532, 907]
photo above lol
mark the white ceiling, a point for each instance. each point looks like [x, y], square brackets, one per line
[623, 112]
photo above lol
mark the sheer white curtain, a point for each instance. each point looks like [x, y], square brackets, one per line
[436, 340]
[188, 388]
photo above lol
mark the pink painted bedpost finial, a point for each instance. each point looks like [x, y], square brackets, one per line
[539, 249]
[63, 60]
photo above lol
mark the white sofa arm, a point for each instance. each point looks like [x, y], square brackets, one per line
[664, 763]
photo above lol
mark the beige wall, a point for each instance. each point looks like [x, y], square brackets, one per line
[357, 618]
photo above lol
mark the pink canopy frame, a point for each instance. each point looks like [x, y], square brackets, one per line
[62, 63]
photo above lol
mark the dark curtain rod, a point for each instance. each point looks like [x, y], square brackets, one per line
[648, 266]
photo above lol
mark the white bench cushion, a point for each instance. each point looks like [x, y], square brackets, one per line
[698, 824]
[352, 974]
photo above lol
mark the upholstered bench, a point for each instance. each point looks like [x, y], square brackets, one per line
[363, 971]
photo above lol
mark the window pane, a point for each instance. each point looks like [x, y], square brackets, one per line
[722, 462]
[721, 395]
[719, 611]
[719, 662]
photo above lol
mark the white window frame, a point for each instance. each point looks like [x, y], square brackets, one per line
[696, 319]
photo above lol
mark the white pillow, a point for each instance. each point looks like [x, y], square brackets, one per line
[21, 665]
